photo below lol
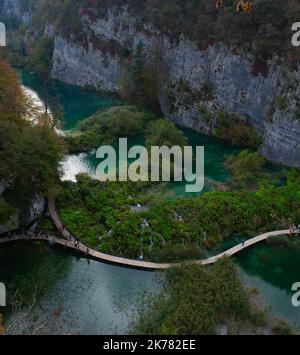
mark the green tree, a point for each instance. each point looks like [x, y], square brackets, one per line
[246, 168]
[41, 56]
[30, 154]
[162, 132]
[138, 83]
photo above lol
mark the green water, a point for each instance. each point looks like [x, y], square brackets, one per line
[75, 102]
[214, 164]
[273, 271]
[73, 296]
[78, 104]
[98, 298]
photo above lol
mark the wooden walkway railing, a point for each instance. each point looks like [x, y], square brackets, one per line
[138, 264]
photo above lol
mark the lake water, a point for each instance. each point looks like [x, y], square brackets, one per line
[78, 104]
[73, 296]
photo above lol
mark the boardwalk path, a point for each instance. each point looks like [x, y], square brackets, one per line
[131, 263]
[137, 264]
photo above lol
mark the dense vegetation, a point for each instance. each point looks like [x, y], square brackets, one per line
[178, 229]
[247, 169]
[106, 127]
[197, 300]
[266, 30]
[30, 153]
[236, 131]
[164, 133]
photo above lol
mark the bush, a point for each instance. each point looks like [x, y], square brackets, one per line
[283, 328]
[164, 133]
[107, 127]
[195, 300]
[236, 131]
[247, 169]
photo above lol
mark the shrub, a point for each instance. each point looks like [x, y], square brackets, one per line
[283, 328]
[195, 300]
[246, 169]
[107, 126]
[236, 131]
[281, 103]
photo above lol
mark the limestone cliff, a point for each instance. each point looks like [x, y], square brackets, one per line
[195, 84]
[19, 9]
[228, 71]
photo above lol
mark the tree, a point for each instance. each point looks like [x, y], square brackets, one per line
[30, 154]
[41, 56]
[139, 83]
[162, 132]
[13, 103]
[246, 168]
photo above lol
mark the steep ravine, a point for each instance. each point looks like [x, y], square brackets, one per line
[236, 86]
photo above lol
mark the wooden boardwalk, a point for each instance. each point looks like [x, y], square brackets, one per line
[137, 264]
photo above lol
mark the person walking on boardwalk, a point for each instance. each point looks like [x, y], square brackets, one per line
[219, 4]
[1, 324]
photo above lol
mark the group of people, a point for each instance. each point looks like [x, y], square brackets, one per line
[242, 6]
[62, 230]
[71, 238]
[294, 229]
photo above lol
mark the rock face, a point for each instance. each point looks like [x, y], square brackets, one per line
[18, 9]
[17, 218]
[234, 86]
[90, 67]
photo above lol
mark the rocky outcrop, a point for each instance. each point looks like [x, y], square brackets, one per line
[281, 142]
[90, 67]
[18, 218]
